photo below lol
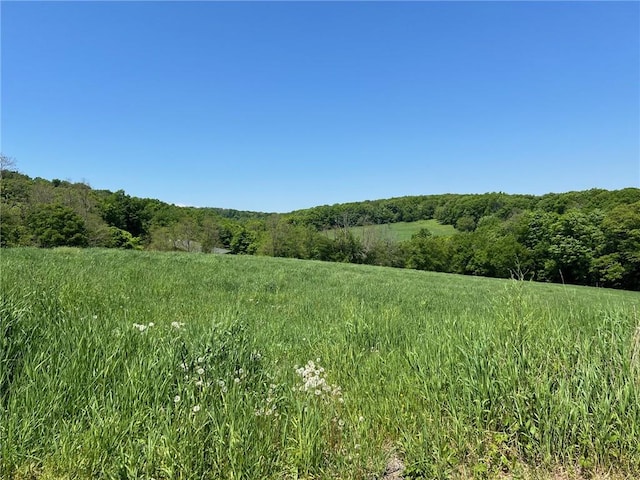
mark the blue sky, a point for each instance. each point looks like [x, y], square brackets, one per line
[277, 106]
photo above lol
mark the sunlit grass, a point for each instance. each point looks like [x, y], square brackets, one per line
[405, 230]
[400, 231]
[155, 365]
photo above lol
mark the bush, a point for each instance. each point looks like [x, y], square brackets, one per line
[57, 226]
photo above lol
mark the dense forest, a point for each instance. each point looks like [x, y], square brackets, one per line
[590, 237]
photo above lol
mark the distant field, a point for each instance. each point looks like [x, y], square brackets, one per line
[139, 365]
[402, 231]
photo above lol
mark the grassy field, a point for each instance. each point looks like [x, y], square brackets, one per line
[140, 365]
[402, 231]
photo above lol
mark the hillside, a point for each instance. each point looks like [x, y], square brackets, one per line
[398, 231]
[588, 238]
[169, 365]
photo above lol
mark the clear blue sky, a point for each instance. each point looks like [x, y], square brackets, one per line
[276, 106]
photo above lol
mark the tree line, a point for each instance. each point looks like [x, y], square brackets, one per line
[590, 237]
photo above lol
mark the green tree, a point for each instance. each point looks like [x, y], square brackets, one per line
[576, 241]
[210, 235]
[13, 230]
[466, 224]
[184, 234]
[426, 252]
[127, 213]
[243, 241]
[56, 225]
[160, 238]
[495, 250]
[119, 238]
[620, 267]
[347, 247]
[279, 239]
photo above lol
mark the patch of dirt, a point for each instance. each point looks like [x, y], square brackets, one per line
[560, 474]
[394, 469]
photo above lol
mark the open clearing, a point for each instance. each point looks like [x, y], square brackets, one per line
[119, 364]
[400, 231]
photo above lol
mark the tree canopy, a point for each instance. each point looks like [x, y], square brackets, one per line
[590, 237]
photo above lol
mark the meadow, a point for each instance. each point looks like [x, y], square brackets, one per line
[399, 231]
[140, 365]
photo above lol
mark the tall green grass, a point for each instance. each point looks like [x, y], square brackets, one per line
[460, 377]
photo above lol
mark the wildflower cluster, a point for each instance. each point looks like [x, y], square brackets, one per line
[314, 381]
[239, 376]
[255, 356]
[201, 379]
[324, 403]
[222, 385]
[222, 370]
[270, 406]
[195, 374]
[143, 327]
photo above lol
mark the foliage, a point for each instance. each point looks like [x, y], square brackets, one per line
[621, 229]
[119, 238]
[126, 213]
[590, 237]
[56, 225]
[426, 252]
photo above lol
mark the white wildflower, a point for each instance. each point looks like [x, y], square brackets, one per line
[177, 325]
[200, 371]
[196, 408]
[176, 399]
[236, 380]
[313, 380]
